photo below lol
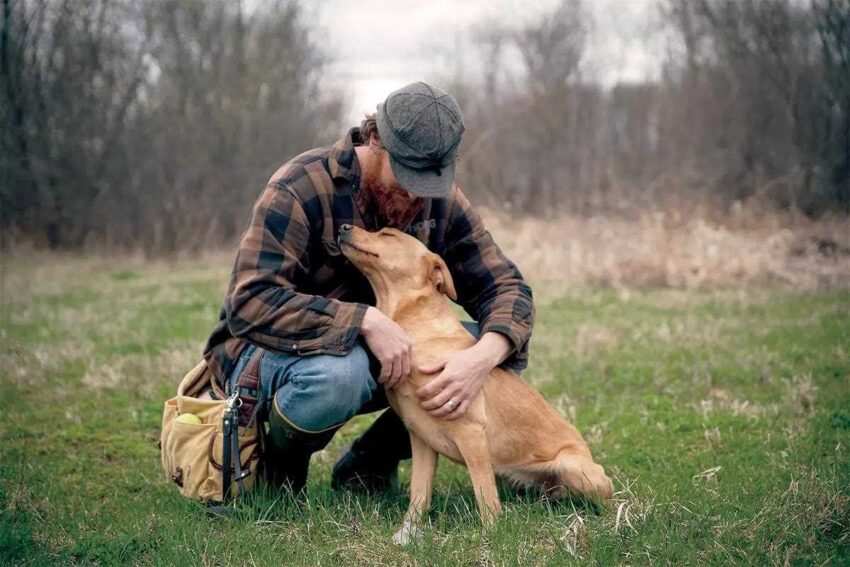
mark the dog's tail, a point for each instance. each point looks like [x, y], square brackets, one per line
[583, 478]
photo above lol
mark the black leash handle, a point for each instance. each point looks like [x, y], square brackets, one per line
[244, 394]
[230, 419]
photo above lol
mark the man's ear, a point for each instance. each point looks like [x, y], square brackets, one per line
[441, 278]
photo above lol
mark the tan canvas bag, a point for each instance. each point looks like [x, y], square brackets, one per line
[219, 457]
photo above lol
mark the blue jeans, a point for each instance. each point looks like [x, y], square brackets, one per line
[319, 392]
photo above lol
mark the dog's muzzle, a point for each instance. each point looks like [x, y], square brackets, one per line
[344, 232]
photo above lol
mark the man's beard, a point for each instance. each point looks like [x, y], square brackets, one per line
[390, 206]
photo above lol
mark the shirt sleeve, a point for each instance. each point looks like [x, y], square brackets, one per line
[262, 304]
[489, 286]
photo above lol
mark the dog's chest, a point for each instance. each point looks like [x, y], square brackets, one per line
[434, 432]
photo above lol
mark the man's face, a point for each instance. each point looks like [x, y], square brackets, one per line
[394, 201]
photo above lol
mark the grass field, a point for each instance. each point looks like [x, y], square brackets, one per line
[723, 417]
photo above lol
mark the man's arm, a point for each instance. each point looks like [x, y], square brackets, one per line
[262, 304]
[491, 289]
[494, 347]
[489, 286]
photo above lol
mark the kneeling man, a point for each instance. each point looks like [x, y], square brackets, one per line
[294, 300]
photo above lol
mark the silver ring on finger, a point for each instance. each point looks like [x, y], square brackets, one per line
[451, 404]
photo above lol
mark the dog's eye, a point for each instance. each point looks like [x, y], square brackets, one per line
[386, 233]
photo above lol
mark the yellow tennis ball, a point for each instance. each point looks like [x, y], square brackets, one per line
[189, 418]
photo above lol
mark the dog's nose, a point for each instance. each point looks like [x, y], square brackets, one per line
[345, 228]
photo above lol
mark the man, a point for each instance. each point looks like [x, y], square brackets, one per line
[327, 353]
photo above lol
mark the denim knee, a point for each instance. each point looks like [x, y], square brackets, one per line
[323, 391]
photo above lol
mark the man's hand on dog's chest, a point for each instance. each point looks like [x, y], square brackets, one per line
[462, 376]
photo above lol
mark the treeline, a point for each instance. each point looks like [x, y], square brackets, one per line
[753, 103]
[145, 124]
[150, 124]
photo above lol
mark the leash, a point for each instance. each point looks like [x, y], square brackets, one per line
[241, 409]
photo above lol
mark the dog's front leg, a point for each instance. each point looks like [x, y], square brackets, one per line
[473, 446]
[421, 486]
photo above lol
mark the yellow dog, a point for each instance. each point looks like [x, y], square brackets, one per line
[508, 430]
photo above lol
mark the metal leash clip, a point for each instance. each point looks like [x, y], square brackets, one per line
[232, 401]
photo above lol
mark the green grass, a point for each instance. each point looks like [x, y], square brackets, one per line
[723, 417]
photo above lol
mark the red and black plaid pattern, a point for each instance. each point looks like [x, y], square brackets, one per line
[292, 290]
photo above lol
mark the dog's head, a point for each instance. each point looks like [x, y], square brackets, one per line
[394, 261]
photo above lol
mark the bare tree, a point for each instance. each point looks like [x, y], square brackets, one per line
[832, 19]
[753, 104]
[151, 124]
[154, 124]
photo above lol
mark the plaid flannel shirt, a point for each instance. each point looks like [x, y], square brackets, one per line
[292, 290]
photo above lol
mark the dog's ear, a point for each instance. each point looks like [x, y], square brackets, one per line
[441, 278]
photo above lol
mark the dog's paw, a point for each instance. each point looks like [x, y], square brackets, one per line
[406, 534]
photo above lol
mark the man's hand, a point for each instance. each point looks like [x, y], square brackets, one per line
[463, 376]
[390, 345]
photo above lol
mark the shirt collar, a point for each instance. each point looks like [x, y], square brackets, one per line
[342, 159]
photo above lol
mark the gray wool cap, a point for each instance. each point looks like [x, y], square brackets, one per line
[421, 127]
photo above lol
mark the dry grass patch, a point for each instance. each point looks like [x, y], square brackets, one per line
[142, 371]
[591, 339]
[719, 400]
[679, 251]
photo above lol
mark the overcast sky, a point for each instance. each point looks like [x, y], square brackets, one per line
[378, 46]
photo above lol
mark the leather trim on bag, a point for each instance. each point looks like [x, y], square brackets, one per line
[253, 456]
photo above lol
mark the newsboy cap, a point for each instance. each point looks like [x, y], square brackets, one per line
[420, 127]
